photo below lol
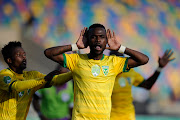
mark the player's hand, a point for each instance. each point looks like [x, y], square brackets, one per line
[49, 76]
[113, 43]
[82, 41]
[163, 61]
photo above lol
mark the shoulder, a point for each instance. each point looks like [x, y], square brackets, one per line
[6, 72]
[115, 58]
[6, 76]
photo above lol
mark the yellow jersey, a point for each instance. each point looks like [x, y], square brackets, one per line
[93, 84]
[14, 105]
[122, 106]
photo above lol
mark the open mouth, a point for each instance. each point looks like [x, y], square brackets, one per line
[97, 47]
[24, 62]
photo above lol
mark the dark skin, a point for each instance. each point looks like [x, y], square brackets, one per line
[163, 61]
[18, 63]
[97, 39]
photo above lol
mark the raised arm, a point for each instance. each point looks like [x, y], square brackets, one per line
[56, 53]
[163, 61]
[136, 58]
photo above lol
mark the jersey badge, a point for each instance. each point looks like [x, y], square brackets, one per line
[95, 70]
[21, 94]
[7, 79]
[105, 70]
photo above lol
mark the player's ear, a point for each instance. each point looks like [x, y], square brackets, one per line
[9, 61]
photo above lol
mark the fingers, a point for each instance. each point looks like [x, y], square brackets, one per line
[172, 59]
[166, 52]
[110, 33]
[107, 34]
[170, 54]
[114, 34]
[83, 31]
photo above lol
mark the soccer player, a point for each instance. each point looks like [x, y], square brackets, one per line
[122, 106]
[94, 73]
[18, 86]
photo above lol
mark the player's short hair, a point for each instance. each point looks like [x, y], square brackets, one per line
[7, 50]
[96, 25]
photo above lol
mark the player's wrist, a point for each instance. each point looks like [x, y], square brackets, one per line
[74, 47]
[122, 49]
[159, 69]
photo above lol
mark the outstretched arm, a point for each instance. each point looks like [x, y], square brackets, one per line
[163, 61]
[58, 78]
[56, 53]
[136, 58]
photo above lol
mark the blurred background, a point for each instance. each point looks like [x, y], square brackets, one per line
[149, 26]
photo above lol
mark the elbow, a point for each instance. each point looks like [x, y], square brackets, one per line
[47, 53]
[145, 60]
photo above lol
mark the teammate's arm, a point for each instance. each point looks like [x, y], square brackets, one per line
[27, 84]
[56, 53]
[136, 58]
[8, 83]
[163, 61]
[60, 79]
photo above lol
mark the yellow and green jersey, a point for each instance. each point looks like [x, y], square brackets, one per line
[93, 84]
[122, 107]
[14, 105]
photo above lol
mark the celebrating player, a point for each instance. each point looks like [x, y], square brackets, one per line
[94, 73]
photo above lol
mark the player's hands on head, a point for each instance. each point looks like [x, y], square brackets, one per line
[82, 41]
[113, 43]
[163, 61]
[49, 76]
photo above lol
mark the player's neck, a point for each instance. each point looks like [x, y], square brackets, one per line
[95, 57]
[16, 70]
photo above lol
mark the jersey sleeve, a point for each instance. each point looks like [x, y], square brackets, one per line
[138, 78]
[120, 64]
[27, 84]
[6, 81]
[70, 61]
[37, 75]
[61, 78]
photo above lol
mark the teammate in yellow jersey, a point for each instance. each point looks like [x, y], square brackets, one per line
[18, 86]
[94, 73]
[122, 106]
